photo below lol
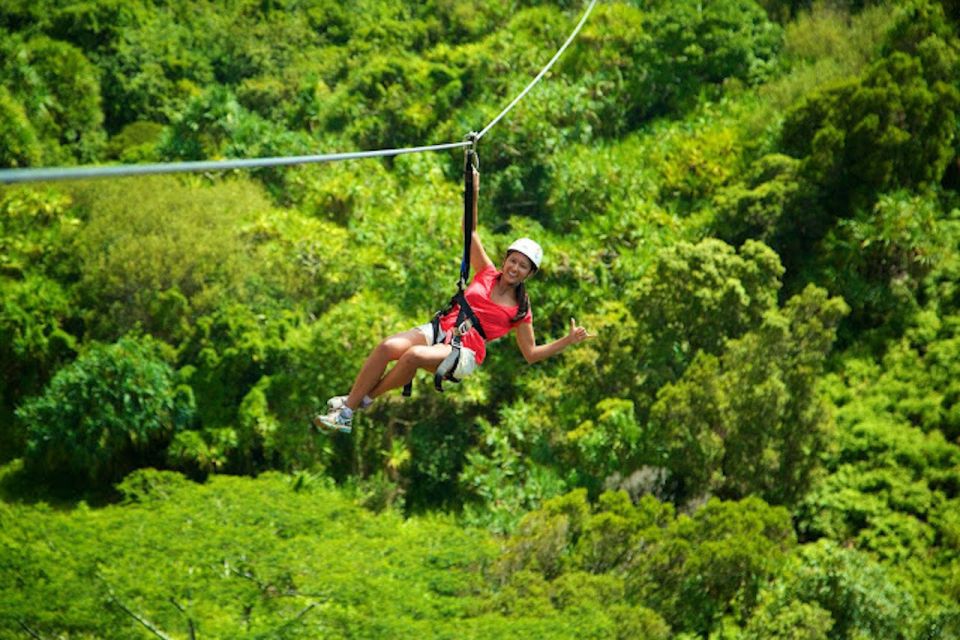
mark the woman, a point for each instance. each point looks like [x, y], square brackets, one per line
[499, 301]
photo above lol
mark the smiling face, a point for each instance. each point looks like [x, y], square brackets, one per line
[516, 268]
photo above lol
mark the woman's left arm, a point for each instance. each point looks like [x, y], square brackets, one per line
[479, 260]
[533, 352]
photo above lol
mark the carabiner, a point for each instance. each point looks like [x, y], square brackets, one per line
[472, 156]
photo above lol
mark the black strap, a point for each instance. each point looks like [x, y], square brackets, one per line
[470, 162]
[465, 311]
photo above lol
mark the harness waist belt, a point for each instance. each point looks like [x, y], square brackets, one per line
[466, 320]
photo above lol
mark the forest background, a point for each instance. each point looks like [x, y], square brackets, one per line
[753, 205]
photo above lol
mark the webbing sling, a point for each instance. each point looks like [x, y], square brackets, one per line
[465, 313]
[471, 162]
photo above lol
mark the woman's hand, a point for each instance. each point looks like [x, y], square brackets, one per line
[533, 352]
[577, 334]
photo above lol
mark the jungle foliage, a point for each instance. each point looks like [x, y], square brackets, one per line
[753, 205]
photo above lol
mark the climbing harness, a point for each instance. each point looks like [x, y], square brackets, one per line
[461, 361]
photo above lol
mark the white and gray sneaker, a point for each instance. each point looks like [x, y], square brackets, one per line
[336, 402]
[337, 420]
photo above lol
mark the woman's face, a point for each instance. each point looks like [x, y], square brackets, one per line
[516, 268]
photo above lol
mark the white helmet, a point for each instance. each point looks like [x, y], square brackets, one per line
[529, 248]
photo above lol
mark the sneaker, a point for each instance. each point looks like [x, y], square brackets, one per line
[336, 402]
[336, 420]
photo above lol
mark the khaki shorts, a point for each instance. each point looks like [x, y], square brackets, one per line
[427, 331]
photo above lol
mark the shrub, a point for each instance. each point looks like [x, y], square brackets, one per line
[60, 91]
[878, 259]
[150, 235]
[711, 563]
[888, 129]
[862, 597]
[115, 408]
[33, 345]
[749, 421]
[19, 146]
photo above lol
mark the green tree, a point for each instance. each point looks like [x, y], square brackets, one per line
[892, 473]
[228, 360]
[215, 125]
[610, 442]
[605, 61]
[115, 408]
[711, 563]
[615, 535]
[696, 44]
[60, 92]
[36, 226]
[750, 420]
[890, 129]
[789, 621]
[149, 240]
[695, 297]
[878, 259]
[37, 317]
[382, 104]
[228, 353]
[861, 596]
[154, 58]
[19, 146]
[136, 142]
[34, 343]
[504, 481]
[754, 209]
[93, 26]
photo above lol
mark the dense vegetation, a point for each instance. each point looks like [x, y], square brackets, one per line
[752, 204]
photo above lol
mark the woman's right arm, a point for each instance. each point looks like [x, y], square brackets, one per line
[479, 259]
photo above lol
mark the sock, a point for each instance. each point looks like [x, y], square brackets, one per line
[366, 402]
[346, 412]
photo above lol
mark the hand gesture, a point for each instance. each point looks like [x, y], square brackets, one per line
[577, 334]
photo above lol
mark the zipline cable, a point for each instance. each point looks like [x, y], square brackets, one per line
[11, 176]
[543, 71]
[108, 171]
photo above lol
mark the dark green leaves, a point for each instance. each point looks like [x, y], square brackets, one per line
[115, 408]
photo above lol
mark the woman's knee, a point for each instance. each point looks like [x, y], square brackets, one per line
[412, 356]
[391, 348]
[396, 346]
[424, 357]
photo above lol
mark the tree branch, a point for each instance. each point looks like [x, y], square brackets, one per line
[190, 627]
[146, 623]
[304, 612]
[33, 634]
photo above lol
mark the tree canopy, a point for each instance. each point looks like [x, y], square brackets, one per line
[752, 204]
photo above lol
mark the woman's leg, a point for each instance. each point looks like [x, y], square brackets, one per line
[416, 357]
[371, 372]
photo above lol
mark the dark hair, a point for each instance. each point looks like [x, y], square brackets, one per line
[522, 298]
[524, 303]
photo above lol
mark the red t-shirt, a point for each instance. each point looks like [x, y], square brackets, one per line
[494, 318]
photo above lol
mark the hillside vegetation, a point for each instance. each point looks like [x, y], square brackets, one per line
[752, 204]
